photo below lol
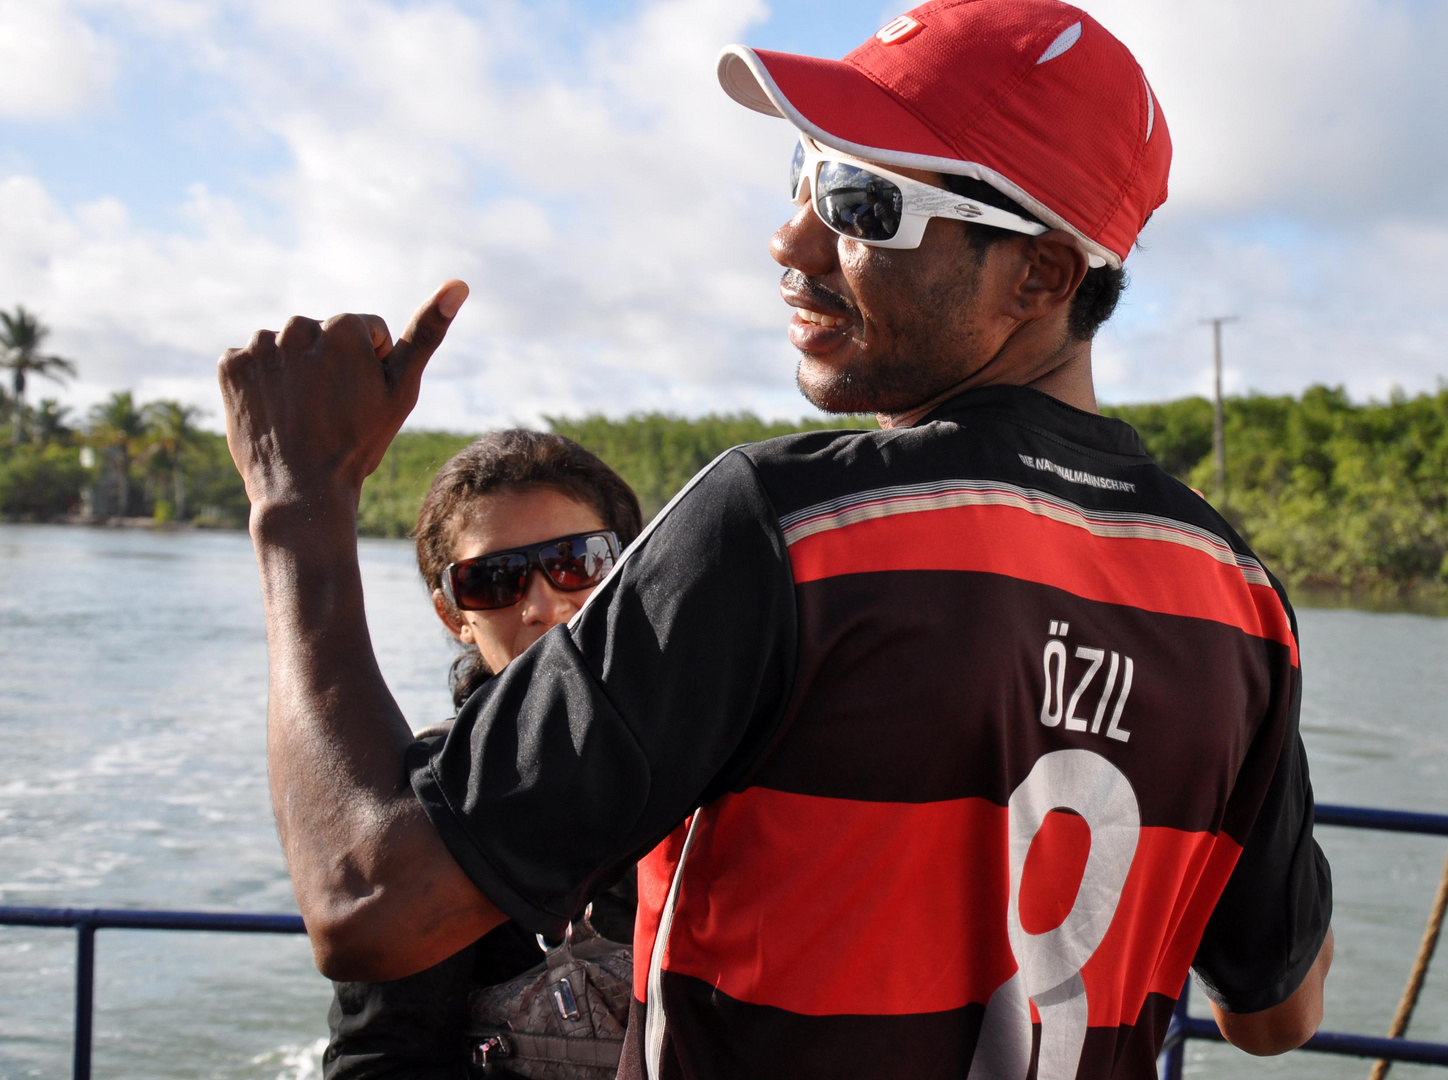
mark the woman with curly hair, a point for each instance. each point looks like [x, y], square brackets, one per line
[514, 533]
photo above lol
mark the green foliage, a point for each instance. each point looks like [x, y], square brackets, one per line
[50, 422]
[40, 481]
[171, 433]
[117, 426]
[1342, 496]
[392, 496]
[41, 475]
[21, 335]
[1335, 497]
[1177, 433]
[43, 478]
[657, 453]
[215, 495]
[118, 421]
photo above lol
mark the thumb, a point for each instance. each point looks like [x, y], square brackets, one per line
[424, 333]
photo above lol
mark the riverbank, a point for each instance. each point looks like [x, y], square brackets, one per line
[1346, 502]
[1426, 598]
[1429, 599]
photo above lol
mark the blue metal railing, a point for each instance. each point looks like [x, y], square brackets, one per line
[1184, 1027]
[86, 921]
[1362, 817]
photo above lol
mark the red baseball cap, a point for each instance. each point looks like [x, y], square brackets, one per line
[1034, 97]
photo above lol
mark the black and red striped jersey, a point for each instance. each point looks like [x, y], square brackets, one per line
[991, 729]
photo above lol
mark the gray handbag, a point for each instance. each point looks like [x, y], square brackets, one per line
[563, 1020]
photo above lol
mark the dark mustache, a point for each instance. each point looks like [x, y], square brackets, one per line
[803, 284]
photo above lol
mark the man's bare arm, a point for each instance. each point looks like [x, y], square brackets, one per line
[1286, 1026]
[310, 413]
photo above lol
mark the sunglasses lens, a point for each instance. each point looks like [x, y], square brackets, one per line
[577, 563]
[796, 170]
[493, 582]
[857, 203]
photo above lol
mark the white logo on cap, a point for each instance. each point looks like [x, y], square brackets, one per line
[1064, 40]
[898, 30]
[1150, 107]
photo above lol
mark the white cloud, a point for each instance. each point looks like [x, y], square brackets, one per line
[1338, 107]
[607, 214]
[1309, 195]
[1363, 309]
[51, 63]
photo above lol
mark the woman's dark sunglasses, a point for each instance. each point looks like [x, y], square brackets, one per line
[500, 578]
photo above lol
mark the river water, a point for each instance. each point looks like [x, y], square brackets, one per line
[132, 704]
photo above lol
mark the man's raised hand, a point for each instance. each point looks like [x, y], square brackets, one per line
[311, 411]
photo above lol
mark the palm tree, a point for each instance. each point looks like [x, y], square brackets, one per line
[172, 430]
[52, 421]
[21, 335]
[117, 425]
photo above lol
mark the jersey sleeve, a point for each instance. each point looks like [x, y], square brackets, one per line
[1271, 920]
[598, 740]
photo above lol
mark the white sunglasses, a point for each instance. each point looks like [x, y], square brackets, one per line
[875, 206]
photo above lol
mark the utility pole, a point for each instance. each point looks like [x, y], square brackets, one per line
[1219, 436]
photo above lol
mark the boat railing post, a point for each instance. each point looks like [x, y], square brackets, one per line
[1174, 1046]
[85, 979]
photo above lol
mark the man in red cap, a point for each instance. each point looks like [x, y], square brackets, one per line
[952, 746]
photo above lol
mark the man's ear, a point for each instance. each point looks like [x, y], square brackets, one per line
[1052, 269]
[451, 618]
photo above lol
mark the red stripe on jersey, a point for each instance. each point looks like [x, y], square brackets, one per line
[834, 906]
[1175, 881]
[1154, 575]
[823, 906]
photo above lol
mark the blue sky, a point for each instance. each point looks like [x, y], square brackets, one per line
[176, 173]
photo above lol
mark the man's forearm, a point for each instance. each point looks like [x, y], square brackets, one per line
[378, 889]
[335, 736]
